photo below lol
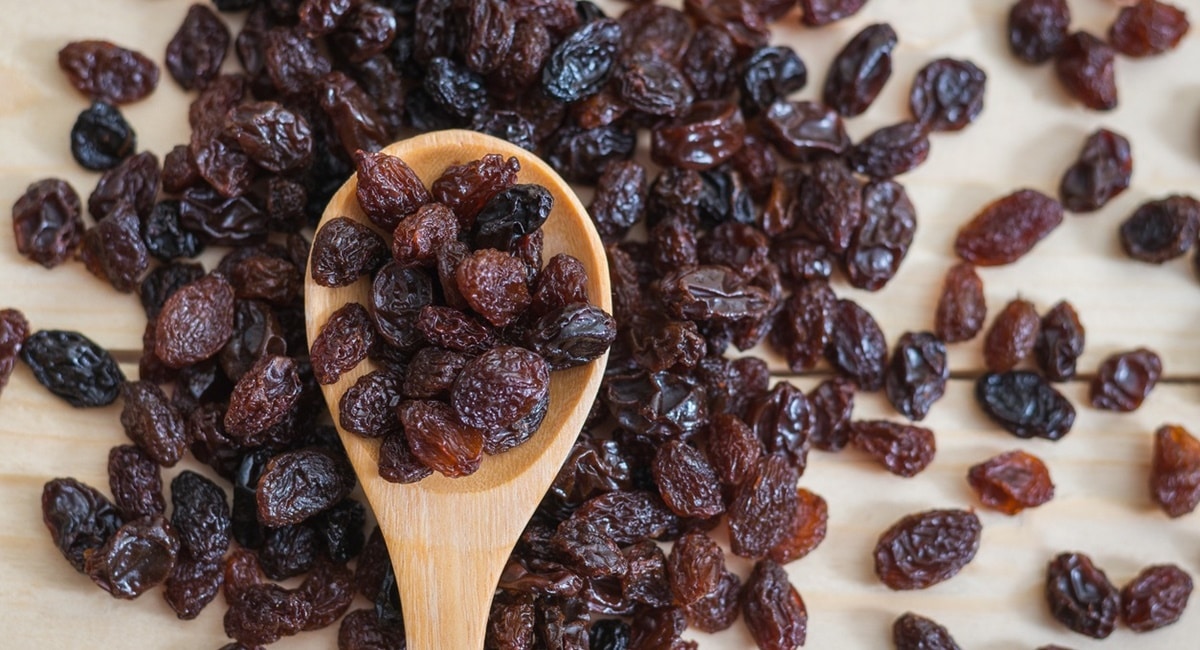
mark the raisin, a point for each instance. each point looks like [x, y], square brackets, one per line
[587, 551]
[341, 530]
[656, 30]
[362, 630]
[581, 155]
[781, 419]
[763, 507]
[882, 239]
[708, 134]
[14, 329]
[114, 250]
[330, 590]
[195, 53]
[770, 74]
[450, 328]
[1155, 598]
[46, 222]
[467, 188]
[264, 397]
[345, 250]
[352, 112]
[108, 72]
[687, 482]
[1011, 482]
[273, 137]
[192, 585]
[257, 332]
[805, 325]
[1123, 380]
[510, 214]
[915, 632]
[733, 448]
[925, 548]
[652, 86]
[1086, 67]
[221, 221]
[583, 61]
[1100, 173]
[73, 367]
[288, 551]
[816, 13]
[830, 204]
[646, 580]
[152, 422]
[343, 341]
[165, 236]
[807, 530]
[1175, 470]
[397, 296]
[179, 170]
[947, 94]
[398, 463]
[1012, 336]
[1080, 595]
[138, 556]
[902, 449]
[264, 613]
[298, 484]
[917, 374]
[134, 180]
[1161, 230]
[1008, 228]
[101, 138]
[80, 519]
[832, 403]
[439, 440]
[494, 284]
[860, 70]
[802, 129]
[857, 347]
[891, 150]
[1025, 404]
[740, 19]
[961, 309]
[573, 335]
[1038, 28]
[709, 63]
[561, 282]
[1147, 28]
[1060, 342]
[773, 609]
[195, 322]
[200, 515]
[500, 387]
[453, 88]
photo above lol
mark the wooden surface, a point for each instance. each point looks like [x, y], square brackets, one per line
[1028, 133]
[447, 573]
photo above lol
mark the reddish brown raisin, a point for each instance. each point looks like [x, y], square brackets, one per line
[296, 485]
[832, 403]
[1161, 230]
[1155, 598]
[1012, 482]
[1175, 470]
[890, 151]
[807, 530]
[368, 408]
[947, 94]
[14, 329]
[1012, 336]
[903, 449]
[884, 236]
[857, 347]
[108, 72]
[1059, 342]
[718, 610]
[440, 440]
[264, 397]
[1100, 173]
[46, 222]
[1086, 67]
[961, 308]
[466, 188]
[687, 482]
[763, 507]
[500, 387]
[343, 341]
[695, 567]
[1008, 228]
[195, 322]
[923, 549]
[733, 448]
[494, 283]
[1123, 380]
[195, 53]
[152, 422]
[915, 632]
[138, 556]
[1080, 595]
[80, 519]
[1148, 27]
[860, 70]
[773, 609]
[417, 239]
[388, 189]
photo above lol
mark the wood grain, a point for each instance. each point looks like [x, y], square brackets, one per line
[1028, 133]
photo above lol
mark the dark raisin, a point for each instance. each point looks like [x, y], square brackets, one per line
[805, 325]
[1155, 598]
[1147, 28]
[925, 548]
[882, 239]
[466, 188]
[582, 62]
[257, 333]
[1123, 380]
[1101, 172]
[816, 13]
[368, 408]
[1175, 470]
[961, 309]
[46, 222]
[494, 284]
[914, 632]
[770, 74]
[708, 134]
[781, 420]
[581, 155]
[14, 329]
[264, 613]
[101, 138]
[500, 387]
[773, 609]
[288, 551]
[573, 335]
[1161, 230]
[275, 138]
[510, 214]
[1037, 29]
[345, 250]
[152, 422]
[860, 70]
[108, 72]
[947, 94]
[763, 507]
[298, 484]
[192, 585]
[455, 89]
[195, 53]
[1080, 595]
[73, 367]
[113, 249]
[1086, 67]
[200, 515]
[917, 374]
[1060, 342]
[450, 328]
[80, 519]
[264, 397]
[362, 630]
[740, 19]
[1025, 404]
[891, 151]
[398, 463]
[1011, 482]
[1008, 228]
[365, 32]
[134, 180]
[342, 342]
[136, 558]
[832, 403]
[219, 220]
[830, 204]
[857, 347]
[397, 296]
[165, 236]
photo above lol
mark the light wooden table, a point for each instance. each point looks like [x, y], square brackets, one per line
[1028, 133]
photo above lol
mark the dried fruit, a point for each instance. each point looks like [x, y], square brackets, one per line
[195, 53]
[1155, 598]
[763, 507]
[1086, 67]
[947, 94]
[1123, 380]
[138, 556]
[73, 367]
[1012, 482]
[1060, 342]
[1025, 404]
[1012, 336]
[296, 485]
[807, 531]
[79, 517]
[857, 347]
[108, 72]
[1161, 230]
[200, 516]
[860, 70]
[101, 138]
[923, 549]
[343, 341]
[916, 374]
[46, 222]
[1175, 470]
[915, 632]
[1147, 28]
[1100, 173]
[961, 308]
[151, 421]
[774, 611]
[1008, 228]
[1037, 29]
[903, 449]
[1080, 595]
[195, 322]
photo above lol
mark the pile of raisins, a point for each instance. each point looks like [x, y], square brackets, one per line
[759, 200]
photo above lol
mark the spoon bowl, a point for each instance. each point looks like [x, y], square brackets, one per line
[449, 539]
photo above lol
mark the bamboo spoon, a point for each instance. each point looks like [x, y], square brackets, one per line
[449, 539]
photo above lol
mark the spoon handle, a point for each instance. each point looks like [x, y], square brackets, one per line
[446, 594]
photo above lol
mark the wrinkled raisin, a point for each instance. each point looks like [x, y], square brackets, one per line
[961, 308]
[101, 138]
[1025, 404]
[1175, 470]
[774, 611]
[46, 222]
[1012, 336]
[1080, 595]
[1086, 67]
[1101, 172]
[1147, 28]
[1037, 29]
[73, 367]
[923, 549]
[1123, 380]
[1008, 228]
[947, 94]
[1011, 482]
[108, 72]
[1060, 342]
[1155, 598]
[1161, 230]
[860, 70]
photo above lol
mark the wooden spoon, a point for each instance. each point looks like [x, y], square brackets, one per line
[449, 539]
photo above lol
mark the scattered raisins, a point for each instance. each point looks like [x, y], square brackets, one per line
[101, 138]
[1012, 336]
[108, 72]
[774, 611]
[902, 449]
[47, 225]
[961, 309]
[195, 53]
[138, 556]
[73, 367]
[1025, 404]
[916, 374]
[860, 70]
